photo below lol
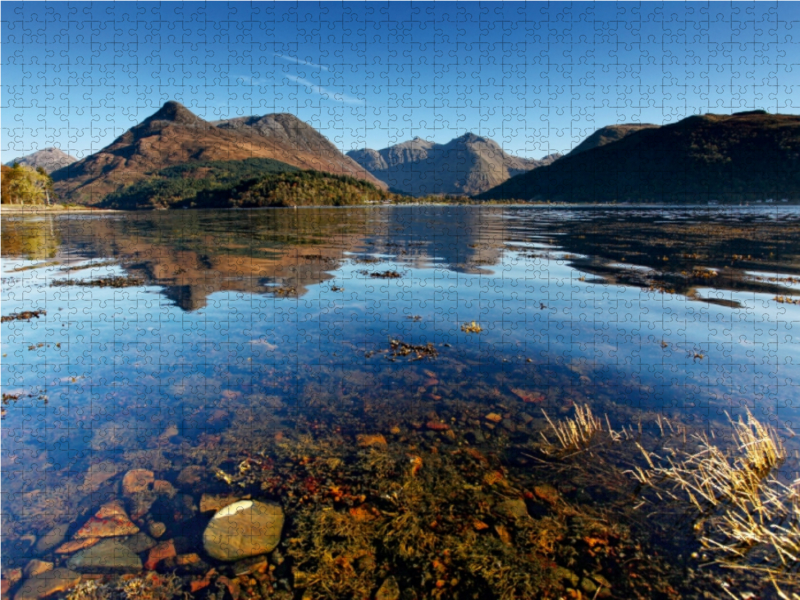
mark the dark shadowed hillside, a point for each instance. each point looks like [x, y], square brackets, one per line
[731, 158]
[249, 183]
[608, 134]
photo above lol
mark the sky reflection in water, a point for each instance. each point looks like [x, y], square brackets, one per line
[575, 303]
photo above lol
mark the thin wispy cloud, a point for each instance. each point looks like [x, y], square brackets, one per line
[301, 62]
[318, 89]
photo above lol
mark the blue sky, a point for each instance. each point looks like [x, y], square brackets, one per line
[536, 77]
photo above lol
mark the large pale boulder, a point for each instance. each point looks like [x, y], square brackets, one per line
[242, 529]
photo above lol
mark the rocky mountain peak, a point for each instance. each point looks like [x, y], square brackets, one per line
[173, 135]
[471, 138]
[174, 112]
[468, 164]
[50, 159]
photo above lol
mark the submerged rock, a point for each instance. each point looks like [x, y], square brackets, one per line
[21, 546]
[110, 521]
[98, 474]
[12, 576]
[475, 437]
[111, 436]
[567, 576]
[242, 529]
[109, 556]
[160, 552]
[513, 508]
[37, 567]
[369, 440]
[191, 476]
[184, 564]
[137, 480]
[141, 504]
[141, 542]
[170, 432]
[156, 529]
[183, 507]
[51, 582]
[75, 545]
[214, 502]
[52, 538]
[588, 586]
[547, 493]
[143, 490]
[389, 590]
[164, 488]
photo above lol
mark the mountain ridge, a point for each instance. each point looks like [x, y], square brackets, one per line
[50, 159]
[608, 134]
[466, 165]
[174, 135]
[732, 158]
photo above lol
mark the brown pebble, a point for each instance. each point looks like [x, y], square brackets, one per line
[368, 441]
[137, 480]
[389, 590]
[157, 529]
[163, 487]
[158, 553]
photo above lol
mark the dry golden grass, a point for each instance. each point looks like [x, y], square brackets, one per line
[749, 519]
[578, 432]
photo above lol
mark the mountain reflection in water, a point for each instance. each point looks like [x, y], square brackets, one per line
[194, 254]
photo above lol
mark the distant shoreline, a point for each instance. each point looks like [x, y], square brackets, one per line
[17, 210]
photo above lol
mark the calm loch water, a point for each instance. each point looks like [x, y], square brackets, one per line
[184, 339]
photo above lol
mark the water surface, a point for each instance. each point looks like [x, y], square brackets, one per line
[243, 323]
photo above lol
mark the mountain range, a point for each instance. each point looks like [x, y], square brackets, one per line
[50, 159]
[741, 157]
[746, 156]
[174, 136]
[465, 166]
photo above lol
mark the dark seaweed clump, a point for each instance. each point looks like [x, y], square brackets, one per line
[25, 315]
[103, 282]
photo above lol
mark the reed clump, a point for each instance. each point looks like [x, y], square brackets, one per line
[746, 517]
[578, 433]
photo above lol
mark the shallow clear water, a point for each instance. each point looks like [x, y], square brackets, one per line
[614, 307]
